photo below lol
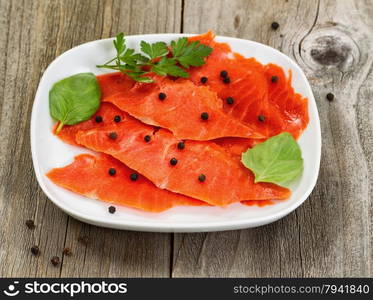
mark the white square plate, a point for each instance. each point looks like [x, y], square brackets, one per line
[49, 152]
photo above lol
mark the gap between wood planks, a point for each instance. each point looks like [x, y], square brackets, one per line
[172, 240]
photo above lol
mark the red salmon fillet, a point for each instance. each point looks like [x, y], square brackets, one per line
[107, 112]
[226, 179]
[236, 146]
[253, 90]
[88, 176]
[113, 83]
[180, 111]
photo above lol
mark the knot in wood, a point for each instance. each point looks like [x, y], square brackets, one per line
[330, 48]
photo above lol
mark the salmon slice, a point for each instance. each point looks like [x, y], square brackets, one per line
[113, 83]
[151, 153]
[107, 111]
[188, 111]
[292, 107]
[106, 115]
[236, 146]
[88, 176]
[255, 90]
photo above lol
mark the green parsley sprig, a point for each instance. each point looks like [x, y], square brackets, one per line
[157, 57]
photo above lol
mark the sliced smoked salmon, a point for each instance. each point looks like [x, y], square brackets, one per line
[89, 176]
[261, 95]
[188, 111]
[236, 146]
[113, 83]
[107, 114]
[201, 170]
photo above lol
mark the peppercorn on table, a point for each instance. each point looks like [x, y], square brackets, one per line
[329, 235]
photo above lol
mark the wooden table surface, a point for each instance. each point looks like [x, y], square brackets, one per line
[329, 235]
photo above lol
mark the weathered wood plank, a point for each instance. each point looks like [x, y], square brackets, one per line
[329, 235]
[110, 252]
[32, 34]
[22, 60]
[115, 253]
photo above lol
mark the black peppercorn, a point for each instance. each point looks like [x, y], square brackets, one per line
[202, 177]
[30, 224]
[35, 250]
[223, 73]
[112, 171]
[134, 176]
[230, 100]
[330, 96]
[274, 79]
[147, 138]
[67, 251]
[98, 119]
[261, 118]
[275, 25]
[111, 209]
[55, 260]
[117, 119]
[162, 96]
[181, 145]
[226, 80]
[204, 79]
[113, 135]
[204, 116]
[173, 161]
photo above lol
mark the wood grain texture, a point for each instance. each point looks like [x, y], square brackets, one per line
[32, 34]
[330, 234]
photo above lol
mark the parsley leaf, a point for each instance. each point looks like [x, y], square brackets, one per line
[155, 50]
[178, 46]
[167, 66]
[189, 54]
[157, 59]
[137, 76]
[120, 43]
[131, 58]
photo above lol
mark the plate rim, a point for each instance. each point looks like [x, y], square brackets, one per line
[157, 226]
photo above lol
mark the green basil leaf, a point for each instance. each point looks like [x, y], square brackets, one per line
[277, 160]
[74, 99]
